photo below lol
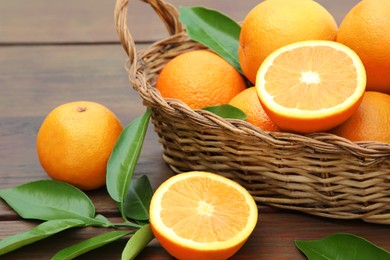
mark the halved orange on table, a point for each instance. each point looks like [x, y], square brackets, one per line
[311, 86]
[201, 215]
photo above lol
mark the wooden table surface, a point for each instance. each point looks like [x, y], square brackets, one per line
[54, 52]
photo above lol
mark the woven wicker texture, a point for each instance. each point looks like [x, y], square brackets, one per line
[319, 174]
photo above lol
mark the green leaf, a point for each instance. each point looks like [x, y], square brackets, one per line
[341, 246]
[138, 199]
[227, 111]
[89, 244]
[50, 200]
[213, 29]
[37, 233]
[103, 219]
[124, 158]
[137, 242]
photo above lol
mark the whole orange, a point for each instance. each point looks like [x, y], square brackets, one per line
[370, 122]
[249, 103]
[200, 78]
[366, 30]
[275, 23]
[75, 141]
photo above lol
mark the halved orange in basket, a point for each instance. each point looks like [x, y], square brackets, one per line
[311, 86]
[201, 215]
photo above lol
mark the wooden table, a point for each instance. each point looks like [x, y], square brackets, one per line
[54, 52]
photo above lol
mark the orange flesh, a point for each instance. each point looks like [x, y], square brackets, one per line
[201, 216]
[332, 81]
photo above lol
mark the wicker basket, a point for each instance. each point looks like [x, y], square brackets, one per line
[319, 174]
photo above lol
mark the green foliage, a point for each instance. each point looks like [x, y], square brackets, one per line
[341, 246]
[137, 242]
[89, 244]
[37, 233]
[138, 199]
[213, 29]
[227, 111]
[51, 200]
[124, 158]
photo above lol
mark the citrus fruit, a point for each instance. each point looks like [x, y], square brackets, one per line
[275, 23]
[311, 86]
[249, 103]
[201, 215]
[200, 78]
[370, 122]
[75, 141]
[366, 30]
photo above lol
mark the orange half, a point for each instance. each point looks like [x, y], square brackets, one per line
[311, 86]
[201, 215]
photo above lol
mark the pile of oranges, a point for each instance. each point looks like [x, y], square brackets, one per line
[301, 72]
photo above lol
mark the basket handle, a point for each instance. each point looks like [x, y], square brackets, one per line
[167, 12]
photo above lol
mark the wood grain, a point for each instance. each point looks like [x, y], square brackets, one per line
[89, 21]
[273, 238]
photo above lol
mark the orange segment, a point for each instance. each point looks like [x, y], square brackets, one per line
[200, 215]
[311, 86]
